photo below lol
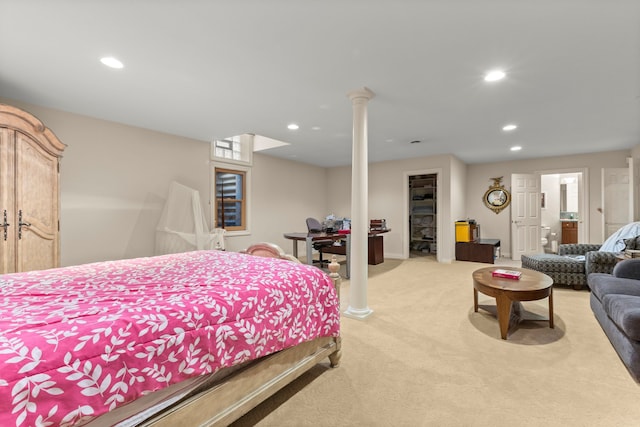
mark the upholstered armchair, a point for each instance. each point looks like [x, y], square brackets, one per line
[595, 260]
[572, 264]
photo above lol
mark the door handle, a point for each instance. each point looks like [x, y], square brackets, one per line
[21, 224]
[5, 225]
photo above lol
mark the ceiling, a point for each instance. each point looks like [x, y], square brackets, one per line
[214, 69]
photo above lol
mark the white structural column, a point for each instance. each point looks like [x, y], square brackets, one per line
[359, 207]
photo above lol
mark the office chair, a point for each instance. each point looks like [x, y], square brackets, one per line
[314, 226]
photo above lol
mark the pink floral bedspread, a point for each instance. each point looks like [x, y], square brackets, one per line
[76, 342]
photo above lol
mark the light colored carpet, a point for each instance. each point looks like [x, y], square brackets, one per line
[424, 358]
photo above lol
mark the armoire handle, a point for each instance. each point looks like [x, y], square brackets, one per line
[5, 224]
[21, 224]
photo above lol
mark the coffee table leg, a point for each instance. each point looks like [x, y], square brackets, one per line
[551, 308]
[503, 305]
[475, 300]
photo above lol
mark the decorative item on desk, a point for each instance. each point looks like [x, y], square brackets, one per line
[632, 253]
[507, 274]
[378, 224]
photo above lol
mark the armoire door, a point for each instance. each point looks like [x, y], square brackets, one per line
[36, 207]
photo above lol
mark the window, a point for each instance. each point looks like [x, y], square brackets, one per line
[227, 149]
[230, 199]
[231, 160]
[234, 150]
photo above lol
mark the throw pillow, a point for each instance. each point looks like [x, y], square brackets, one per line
[632, 243]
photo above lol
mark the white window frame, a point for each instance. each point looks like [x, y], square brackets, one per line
[245, 142]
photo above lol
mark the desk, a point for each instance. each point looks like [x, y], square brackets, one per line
[482, 250]
[376, 246]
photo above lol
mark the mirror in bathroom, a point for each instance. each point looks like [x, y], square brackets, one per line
[569, 197]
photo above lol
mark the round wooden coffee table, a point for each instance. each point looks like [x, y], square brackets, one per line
[508, 293]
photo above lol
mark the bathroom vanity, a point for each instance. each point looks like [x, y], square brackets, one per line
[569, 231]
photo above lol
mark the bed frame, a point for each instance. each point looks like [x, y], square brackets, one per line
[224, 401]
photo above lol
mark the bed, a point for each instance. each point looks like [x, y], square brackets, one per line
[196, 338]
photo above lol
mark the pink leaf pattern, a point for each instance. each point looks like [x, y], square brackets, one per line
[76, 342]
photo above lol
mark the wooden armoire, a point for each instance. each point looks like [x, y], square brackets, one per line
[29, 192]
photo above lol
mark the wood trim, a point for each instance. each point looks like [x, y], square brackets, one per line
[269, 250]
[244, 390]
[22, 121]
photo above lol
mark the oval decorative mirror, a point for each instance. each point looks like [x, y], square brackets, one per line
[497, 197]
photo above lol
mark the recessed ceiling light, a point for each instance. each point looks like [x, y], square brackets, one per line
[510, 127]
[494, 76]
[293, 126]
[315, 128]
[516, 148]
[111, 62]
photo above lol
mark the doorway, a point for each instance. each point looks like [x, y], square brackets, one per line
[423, 215]
[563, 208]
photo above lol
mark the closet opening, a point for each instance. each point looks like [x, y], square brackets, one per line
[423, 211]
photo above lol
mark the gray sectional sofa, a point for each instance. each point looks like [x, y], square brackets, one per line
[615, 301]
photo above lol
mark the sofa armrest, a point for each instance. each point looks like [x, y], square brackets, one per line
[628, 269]
[600, 262]
[577, 248]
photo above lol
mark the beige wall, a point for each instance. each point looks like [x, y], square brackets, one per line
[284, 193]
[499, 226]
[461, 188]
[458, 196]
[388, 198]
[115, 179]
[635, 155]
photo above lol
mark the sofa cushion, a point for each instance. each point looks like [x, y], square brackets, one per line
[629, 269]
[624, 310]
[602, 284]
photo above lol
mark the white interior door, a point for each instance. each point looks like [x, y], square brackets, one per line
[525, 214]
[616, 205]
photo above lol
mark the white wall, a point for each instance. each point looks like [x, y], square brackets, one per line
[550, 215]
